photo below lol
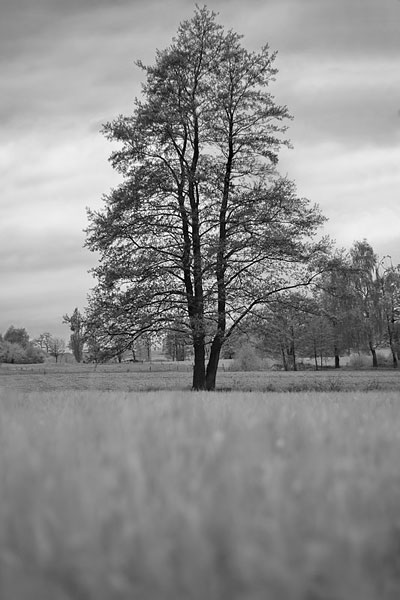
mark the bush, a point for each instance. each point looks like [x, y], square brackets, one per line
[247, 359]
[13, 353]
[385, 358]
[360, 361]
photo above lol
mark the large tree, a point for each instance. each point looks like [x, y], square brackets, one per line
[203, 229]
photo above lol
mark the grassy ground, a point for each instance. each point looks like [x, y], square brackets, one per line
[174, 495]
[152, 377]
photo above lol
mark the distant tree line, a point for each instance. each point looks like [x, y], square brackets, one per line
[89, 342]
[353, 308]
[16, 347]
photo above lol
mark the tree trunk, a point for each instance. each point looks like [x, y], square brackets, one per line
[337, 358]
[293, 350]
[199, 369]
[390, 326]
[284, 359]
[294, 359]
[315, 357]
[212, 365]
[374, 357]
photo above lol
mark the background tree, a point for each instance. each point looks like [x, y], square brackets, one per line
[287, 329]
[202, 223]
[43, 341]
[16, 347]
[388, 281]
[11, 353]
[318, 338]
[338, 306]
[16, 335]
[76, 323]
[368, 299]
[103, 341]
[176, 341]
[56, 347]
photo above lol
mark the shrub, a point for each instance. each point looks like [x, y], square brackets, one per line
[247, 359]
[360, 361]
[10, 352]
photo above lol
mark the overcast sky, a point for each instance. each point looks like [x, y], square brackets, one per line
[67, 66]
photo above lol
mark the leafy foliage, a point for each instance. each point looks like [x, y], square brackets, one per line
[16, 335]
[78, 335]
[16, 347]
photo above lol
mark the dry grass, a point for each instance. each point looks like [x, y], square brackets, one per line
[193, 496]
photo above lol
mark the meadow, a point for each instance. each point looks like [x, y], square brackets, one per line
[120, 483]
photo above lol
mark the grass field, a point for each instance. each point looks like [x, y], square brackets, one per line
[111, 493]
[177, 376]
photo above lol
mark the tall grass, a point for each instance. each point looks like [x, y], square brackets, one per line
[200, 496]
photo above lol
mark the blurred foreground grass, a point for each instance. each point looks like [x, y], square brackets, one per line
[199, 496]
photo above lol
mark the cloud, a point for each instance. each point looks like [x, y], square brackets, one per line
[38, 303]
[44, 275]
[68, 66]
[349, 101]
[357, 190]
[333, 28]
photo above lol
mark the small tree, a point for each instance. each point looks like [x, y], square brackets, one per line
[284, 328]
[16, 335]
[44, 341]
[11, 352]
[77, 340]
[56, 347]
[176, 341]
